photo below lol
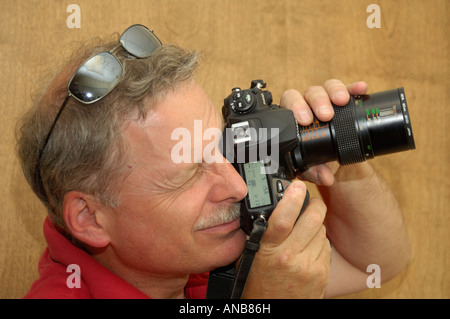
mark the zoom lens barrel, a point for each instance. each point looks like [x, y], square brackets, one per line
[368, 126]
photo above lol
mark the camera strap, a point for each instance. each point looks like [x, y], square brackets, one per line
[226, 282]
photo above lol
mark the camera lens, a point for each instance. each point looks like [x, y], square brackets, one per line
[368, 126]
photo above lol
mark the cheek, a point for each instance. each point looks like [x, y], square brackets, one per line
[158, 236]
[153, 244]
[164, 223]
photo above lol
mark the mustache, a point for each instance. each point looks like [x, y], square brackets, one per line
[219, 217]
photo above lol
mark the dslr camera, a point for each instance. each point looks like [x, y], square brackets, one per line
[268, 148]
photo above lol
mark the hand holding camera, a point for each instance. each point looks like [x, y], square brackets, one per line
[317, 102]
[293, 260]
[299, 252]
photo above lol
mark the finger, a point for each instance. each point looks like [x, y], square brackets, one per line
[319, 245]
[358, 88]
[337, 92]
[319, 101]
[294, 101]
[309, 225]
[321, 256]
[319, 174]
[284, 216]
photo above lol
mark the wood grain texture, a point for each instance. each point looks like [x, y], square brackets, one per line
[289, 44]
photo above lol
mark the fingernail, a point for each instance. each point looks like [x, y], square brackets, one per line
[339, 95]
[299, 186]
[318, 178]
[304, 117]
[325, 110]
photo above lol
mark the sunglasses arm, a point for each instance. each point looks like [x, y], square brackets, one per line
[37, 172]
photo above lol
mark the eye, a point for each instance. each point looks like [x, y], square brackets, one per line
[193, 175]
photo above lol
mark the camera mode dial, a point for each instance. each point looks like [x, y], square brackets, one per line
[242, 102]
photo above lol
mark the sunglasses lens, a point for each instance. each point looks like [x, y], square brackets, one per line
[96, 78]
[139, 41]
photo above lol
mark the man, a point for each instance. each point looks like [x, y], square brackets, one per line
[135, 224]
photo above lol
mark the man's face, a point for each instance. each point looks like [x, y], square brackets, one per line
[176, 218]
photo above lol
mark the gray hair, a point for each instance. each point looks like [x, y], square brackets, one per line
[86, 150]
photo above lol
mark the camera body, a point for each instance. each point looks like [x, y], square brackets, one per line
[268, 148]
[259, 139]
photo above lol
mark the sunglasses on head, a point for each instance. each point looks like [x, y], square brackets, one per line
[101, 73]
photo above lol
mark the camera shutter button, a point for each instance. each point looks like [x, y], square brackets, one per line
[280, 187]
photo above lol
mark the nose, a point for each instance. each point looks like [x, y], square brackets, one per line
[229, 185]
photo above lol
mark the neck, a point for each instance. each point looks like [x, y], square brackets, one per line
[162, 287]
[156, 286]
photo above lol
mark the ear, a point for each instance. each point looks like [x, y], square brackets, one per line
[81, 214]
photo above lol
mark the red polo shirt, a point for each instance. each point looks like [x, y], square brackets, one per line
[97, 282]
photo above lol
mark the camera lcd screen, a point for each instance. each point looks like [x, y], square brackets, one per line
[258, 189]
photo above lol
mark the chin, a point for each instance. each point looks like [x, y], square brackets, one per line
[228, 252]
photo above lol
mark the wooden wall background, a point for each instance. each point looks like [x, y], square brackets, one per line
[288, 43]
